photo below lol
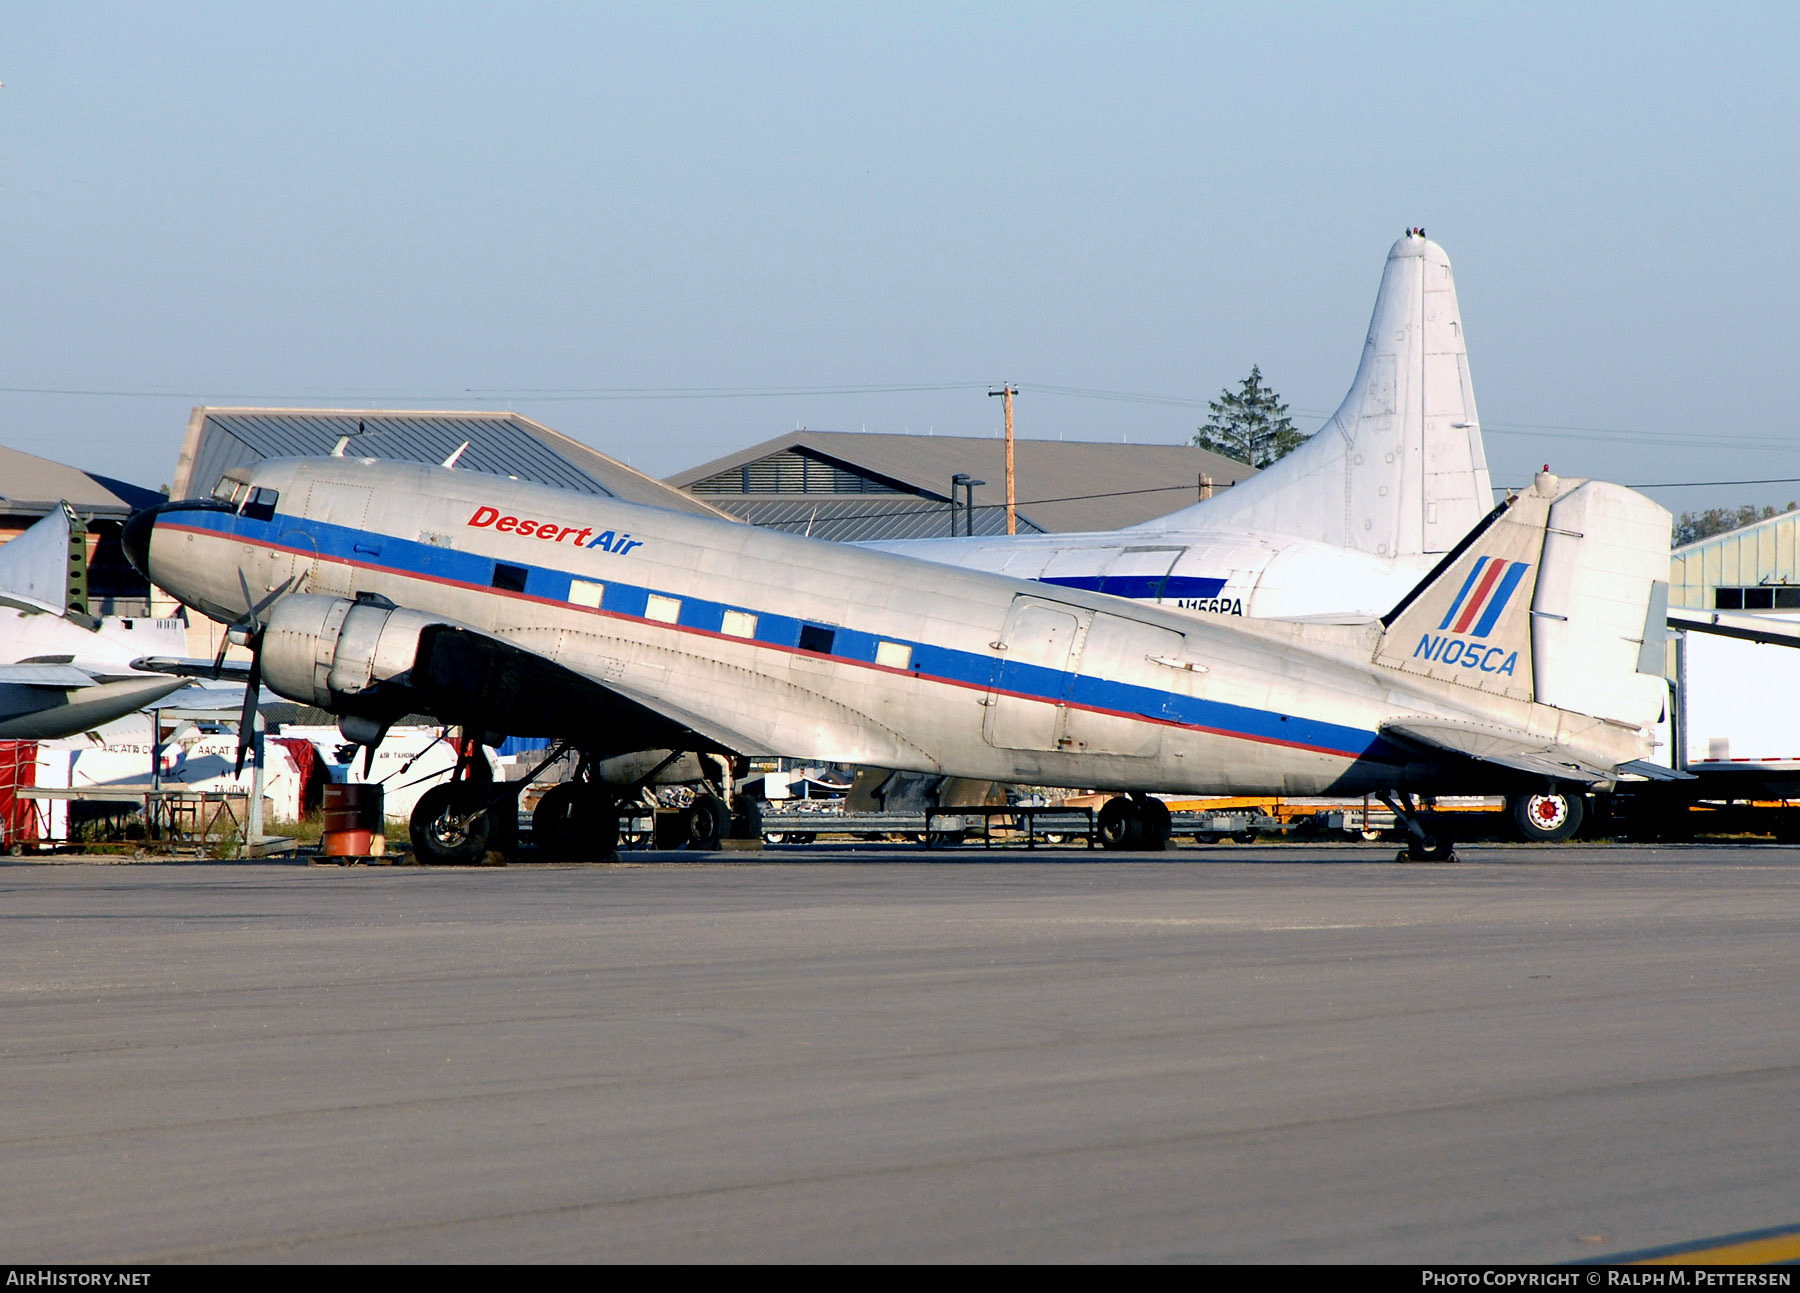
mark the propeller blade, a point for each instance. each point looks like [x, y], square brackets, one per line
[251, 619]
[252, 688]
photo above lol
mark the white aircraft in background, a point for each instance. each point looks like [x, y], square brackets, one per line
[62, 671]
[1342, 527]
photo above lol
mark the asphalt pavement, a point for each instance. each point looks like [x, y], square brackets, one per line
[1267, 1053]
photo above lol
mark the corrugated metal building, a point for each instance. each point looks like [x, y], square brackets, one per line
[1756, 568]
[500, 444]
[852, 486]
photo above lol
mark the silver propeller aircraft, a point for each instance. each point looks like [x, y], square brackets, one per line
[1340, 528]
[639, 636]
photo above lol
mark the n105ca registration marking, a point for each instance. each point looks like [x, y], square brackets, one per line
[1469, 655]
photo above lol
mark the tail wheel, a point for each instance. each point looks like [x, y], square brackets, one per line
[1437, 846]
[1547, 818]
[450, 825]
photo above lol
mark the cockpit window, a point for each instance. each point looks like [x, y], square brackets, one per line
[231, 491]
[260, 506]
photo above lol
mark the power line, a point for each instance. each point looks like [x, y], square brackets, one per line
[605, 394]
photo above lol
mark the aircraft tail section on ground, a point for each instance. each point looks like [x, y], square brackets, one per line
[45, 568]
[1559, 597]
[1399, 470]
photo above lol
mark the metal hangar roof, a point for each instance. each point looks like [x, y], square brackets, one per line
[852, 485]
[500, 444]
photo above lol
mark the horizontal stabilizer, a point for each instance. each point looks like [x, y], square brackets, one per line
[1748, 628]
[1488, 743]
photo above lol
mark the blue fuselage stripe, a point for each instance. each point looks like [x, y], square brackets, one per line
[1140, 587]
[410, 558]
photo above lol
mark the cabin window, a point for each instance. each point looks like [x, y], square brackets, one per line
[509, 579]
[895, 655]
[738, 624]
[664, 610]
[814, 638]
[585, 592]
[231, 491]
[260, 506]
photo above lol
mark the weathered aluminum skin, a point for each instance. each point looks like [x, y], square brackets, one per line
[926, 667]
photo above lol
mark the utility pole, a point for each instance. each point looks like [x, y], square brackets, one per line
[1012, 515]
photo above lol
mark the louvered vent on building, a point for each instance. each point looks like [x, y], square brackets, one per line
[790, 472]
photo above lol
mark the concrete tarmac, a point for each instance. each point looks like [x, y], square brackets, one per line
[1270, 1053]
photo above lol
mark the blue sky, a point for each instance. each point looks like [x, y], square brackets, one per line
[714, 209]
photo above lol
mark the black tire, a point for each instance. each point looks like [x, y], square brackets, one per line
[553, 821]
[1437, 846]
[573, 822]
[449, 826]
[707, 822]
[945, 839]
[1546, 818]
[1153, 824]
[1119, 825]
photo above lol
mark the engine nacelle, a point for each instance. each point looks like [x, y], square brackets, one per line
[327, 651]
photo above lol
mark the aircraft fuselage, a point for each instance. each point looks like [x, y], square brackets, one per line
[832, 652]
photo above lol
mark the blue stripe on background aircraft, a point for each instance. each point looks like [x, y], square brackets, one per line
[379, 589]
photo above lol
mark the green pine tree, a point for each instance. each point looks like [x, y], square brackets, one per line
[1691, 527]
[1250, 425]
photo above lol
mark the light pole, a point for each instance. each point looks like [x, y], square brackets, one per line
[968, 484]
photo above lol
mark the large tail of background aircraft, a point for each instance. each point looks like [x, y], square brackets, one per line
[1399, 470]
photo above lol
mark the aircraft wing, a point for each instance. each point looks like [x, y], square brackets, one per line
[235, 670]
[460, 672]
[1749, 628]
[1489, 743]
[45, 675]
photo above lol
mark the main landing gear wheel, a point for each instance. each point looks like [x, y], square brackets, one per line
[1548, 818]
[573, 822]
[450, 825]
[708, 820]
[1134, 824]
[1119, 825]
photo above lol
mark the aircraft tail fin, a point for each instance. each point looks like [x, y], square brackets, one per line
[1399, 470]
[1560, 596]
[45, 568]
